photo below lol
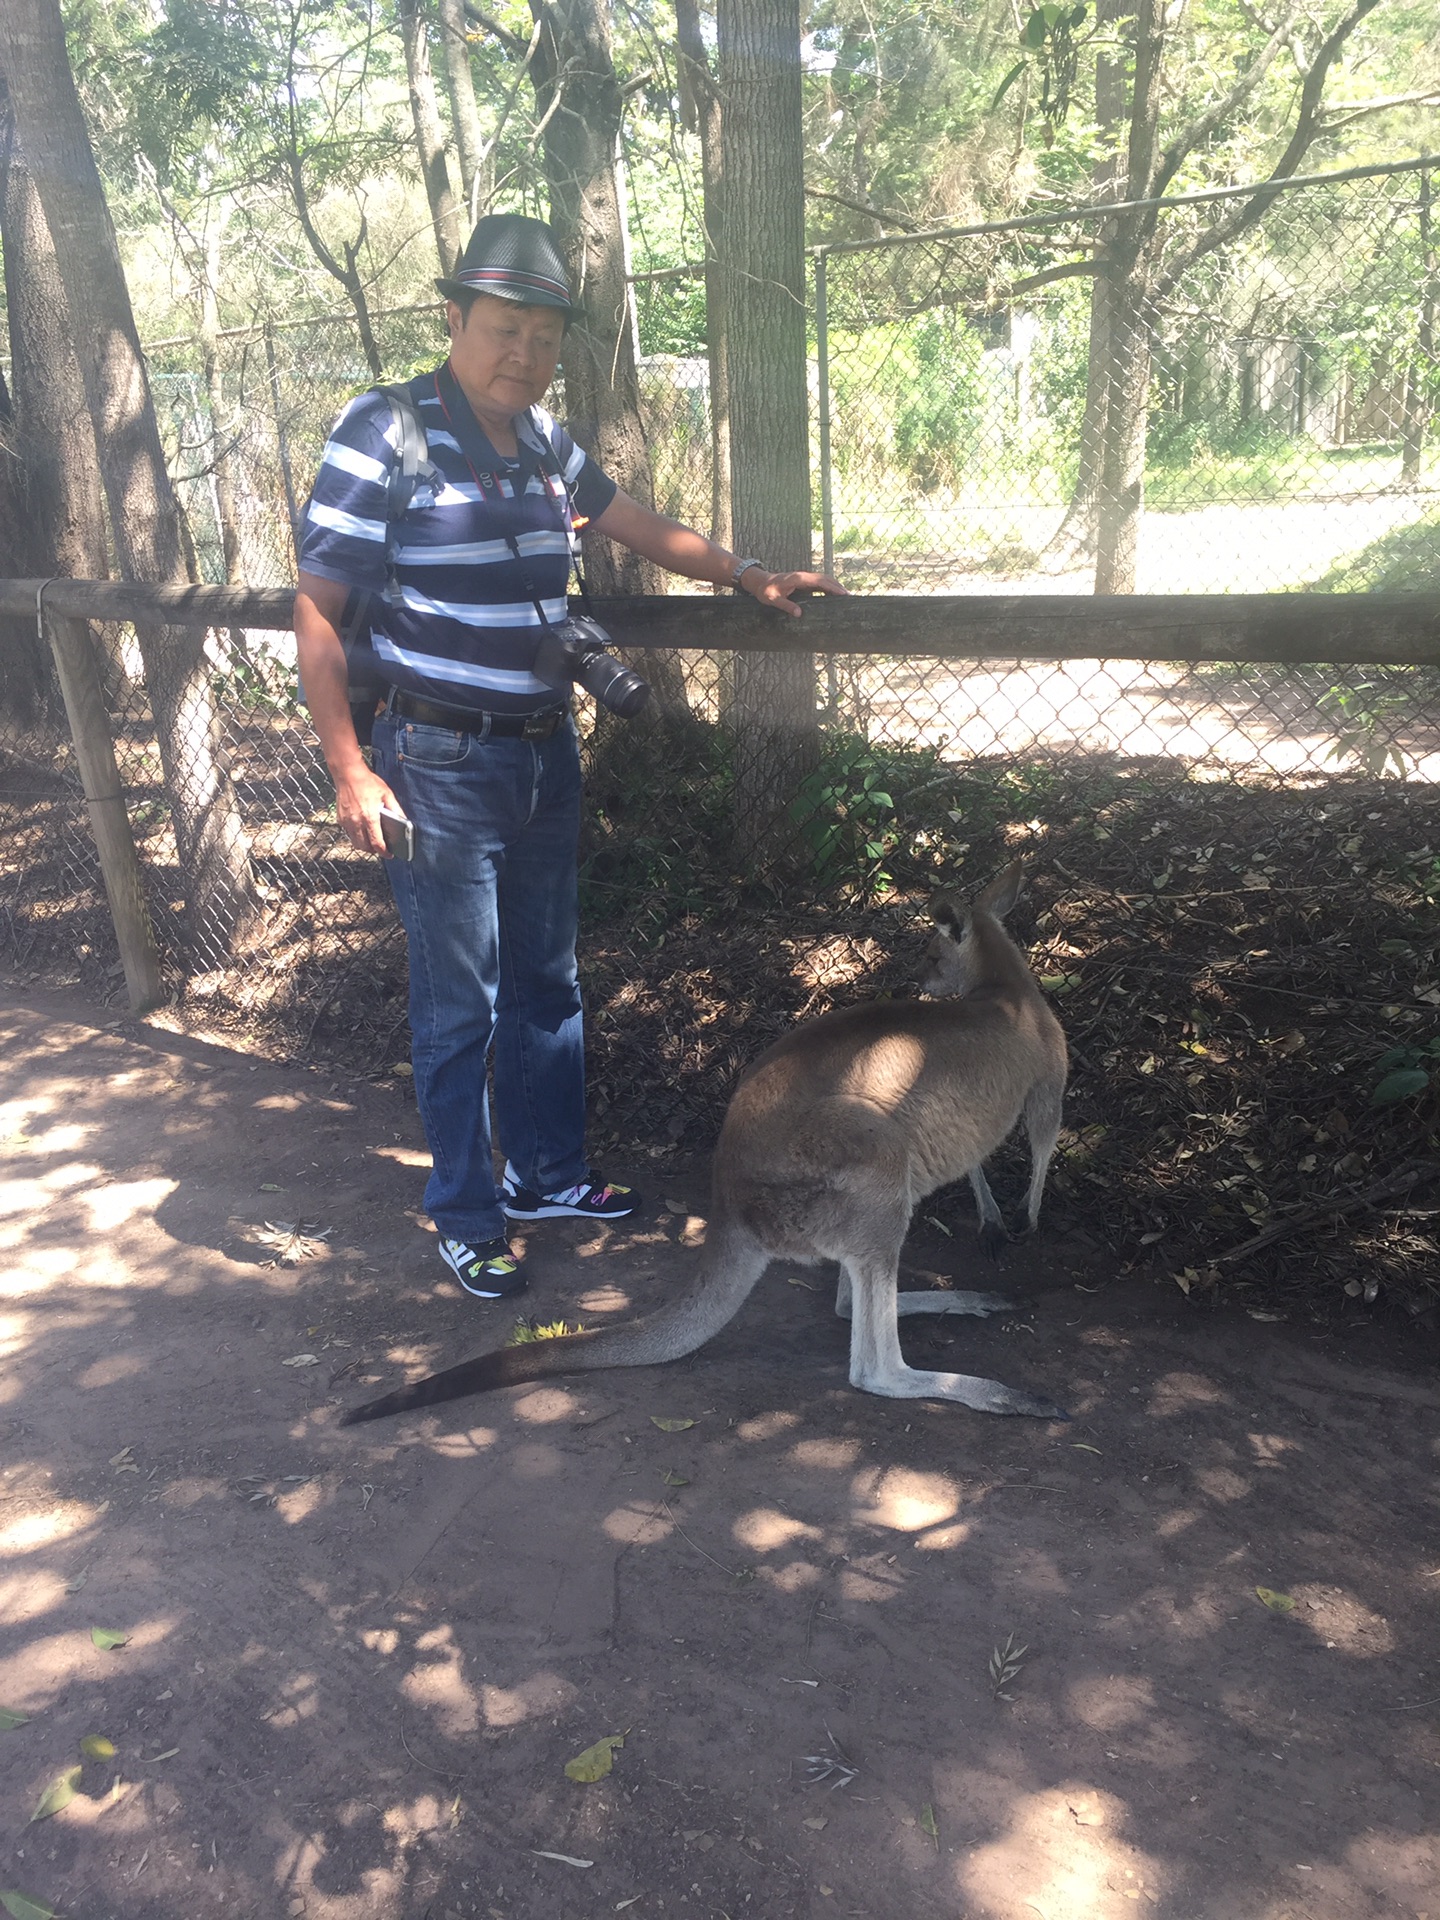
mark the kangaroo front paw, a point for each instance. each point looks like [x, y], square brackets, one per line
[993, 1240]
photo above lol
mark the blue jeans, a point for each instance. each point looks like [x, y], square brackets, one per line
[489, 909]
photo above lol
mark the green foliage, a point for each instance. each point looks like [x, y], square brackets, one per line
[1405, 561]
[1405, 1071]
[664, 857]
[1052, 35]
[939, 412]
[1364, 715]
[845, 816]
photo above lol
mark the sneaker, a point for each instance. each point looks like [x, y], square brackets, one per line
[591, 1199]
[489, 1272]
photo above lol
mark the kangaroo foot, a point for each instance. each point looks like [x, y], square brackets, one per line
[963, 1389]
[942, 1300]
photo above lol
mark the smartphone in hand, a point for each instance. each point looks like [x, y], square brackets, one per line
[399, 834]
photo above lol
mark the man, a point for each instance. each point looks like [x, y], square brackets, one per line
[471, 747]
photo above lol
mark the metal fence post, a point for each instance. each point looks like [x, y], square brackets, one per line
[281, 438]
[827, 505]
[822, 355]
[69, 641]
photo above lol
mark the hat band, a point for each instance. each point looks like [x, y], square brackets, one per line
[482, 277]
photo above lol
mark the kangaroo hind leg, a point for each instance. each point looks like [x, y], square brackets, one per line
[877, 1365]
[1042, 1124]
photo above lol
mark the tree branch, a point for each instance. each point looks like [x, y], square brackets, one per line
[1185, 143]
[697, 82]
[1335, 118]
[1071, 270]
[511, 42]
[1307, 128]
[885, 216]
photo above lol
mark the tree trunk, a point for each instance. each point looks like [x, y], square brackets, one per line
[1422, 364]
[1121, 497]
[700, 106]
[1076, 539]
[221, 436]
[774, 711]
[210, 843]
[429, 141]
[602, 390]
[578, 94]
[460, 87]
[1121, 500]
[52, 477]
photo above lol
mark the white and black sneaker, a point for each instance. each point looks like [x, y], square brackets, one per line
[590, 1199]
[489, 1272]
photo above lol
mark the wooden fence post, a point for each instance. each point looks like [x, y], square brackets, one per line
[100, 777]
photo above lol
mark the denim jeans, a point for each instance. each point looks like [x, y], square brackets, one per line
[489, 909]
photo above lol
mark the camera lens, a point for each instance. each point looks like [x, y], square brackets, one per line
[613, 685]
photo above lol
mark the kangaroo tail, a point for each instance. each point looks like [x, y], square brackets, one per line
[730, 1266]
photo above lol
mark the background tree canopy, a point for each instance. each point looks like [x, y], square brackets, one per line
[207, 113]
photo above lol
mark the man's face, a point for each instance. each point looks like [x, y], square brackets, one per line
[504, 355]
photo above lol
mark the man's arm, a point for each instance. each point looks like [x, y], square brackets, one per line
[359, 793]
[681, 550]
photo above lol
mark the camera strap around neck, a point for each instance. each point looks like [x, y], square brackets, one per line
[480, 456]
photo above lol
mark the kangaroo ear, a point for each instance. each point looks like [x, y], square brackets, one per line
[1002, 893]
[947, 915]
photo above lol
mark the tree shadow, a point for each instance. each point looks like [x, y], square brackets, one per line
[357, 1664]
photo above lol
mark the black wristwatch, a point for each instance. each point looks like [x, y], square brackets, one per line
[743, 566]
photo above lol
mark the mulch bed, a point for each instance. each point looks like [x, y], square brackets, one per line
[1232, 964]
[1238, 967]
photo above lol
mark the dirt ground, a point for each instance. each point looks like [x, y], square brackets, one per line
[358, 1662]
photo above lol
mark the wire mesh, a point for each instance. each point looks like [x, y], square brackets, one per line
[1001, 416]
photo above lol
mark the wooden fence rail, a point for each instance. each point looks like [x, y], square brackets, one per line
[1287, 629]
[1340, 629]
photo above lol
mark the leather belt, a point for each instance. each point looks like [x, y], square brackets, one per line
[504, 726]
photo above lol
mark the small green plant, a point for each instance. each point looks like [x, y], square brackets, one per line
[525, 1331]
[1362, 715]
[845, 815]
[1405, 1071]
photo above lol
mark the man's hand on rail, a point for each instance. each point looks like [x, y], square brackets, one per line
[775, 589]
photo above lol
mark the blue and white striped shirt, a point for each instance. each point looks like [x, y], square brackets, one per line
[466, 629]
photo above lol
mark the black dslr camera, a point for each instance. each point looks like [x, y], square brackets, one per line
[575, 649]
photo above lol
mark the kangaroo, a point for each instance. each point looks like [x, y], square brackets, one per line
[831, 1138]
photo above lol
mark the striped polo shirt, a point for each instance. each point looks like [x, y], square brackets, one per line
[464, 632]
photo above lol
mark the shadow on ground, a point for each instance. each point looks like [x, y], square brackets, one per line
[357, 1663]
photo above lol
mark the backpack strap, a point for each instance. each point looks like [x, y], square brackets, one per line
[413, 468]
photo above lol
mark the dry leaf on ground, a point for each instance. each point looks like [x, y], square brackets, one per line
[1277, 1602]
[595, 1762]
[58, 1794]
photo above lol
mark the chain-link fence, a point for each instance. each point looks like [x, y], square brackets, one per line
[1234, 866]
[1232, 899]
[989, 413]
[994, 414]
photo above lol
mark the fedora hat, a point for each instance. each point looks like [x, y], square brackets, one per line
[512, 257]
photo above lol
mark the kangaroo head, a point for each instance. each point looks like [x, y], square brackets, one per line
[952, 965]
